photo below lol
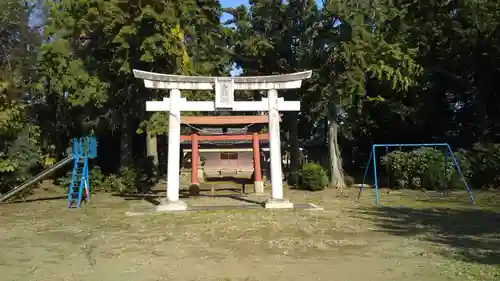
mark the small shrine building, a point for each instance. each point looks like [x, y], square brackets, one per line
[226, 146]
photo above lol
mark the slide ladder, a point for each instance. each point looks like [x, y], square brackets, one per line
[79, 188]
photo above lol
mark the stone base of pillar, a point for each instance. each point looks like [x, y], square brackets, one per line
[258, 187]
[170, 206]
[278, 204]
[194, 189]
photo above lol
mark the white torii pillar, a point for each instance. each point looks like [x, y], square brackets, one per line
[224, 101]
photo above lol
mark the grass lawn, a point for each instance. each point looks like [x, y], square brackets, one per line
[407, 238]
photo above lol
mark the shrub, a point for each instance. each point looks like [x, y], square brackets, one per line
[18, 160]
[96, 178]
[485, 164]
[113, 183]
[425, 168]
[313, 177]
[129, 179]
[124, 182]
[293, 179]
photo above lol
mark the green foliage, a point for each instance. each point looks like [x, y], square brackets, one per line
[124, 182]
[19, 140]
[86, 84]
[425, 168]
[485, 164]
[25, 151]
[293, 178]
[89, 34]
[22, 156]
[96, 178]
[313, 177]
[368, 49]
[127, 181]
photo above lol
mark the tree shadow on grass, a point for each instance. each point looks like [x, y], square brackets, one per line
[471, 235]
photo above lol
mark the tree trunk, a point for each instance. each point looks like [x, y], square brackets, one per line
[126, 146]
[335, 165]
[152, 148]
[152, 153]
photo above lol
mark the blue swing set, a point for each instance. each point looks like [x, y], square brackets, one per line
[448, 153]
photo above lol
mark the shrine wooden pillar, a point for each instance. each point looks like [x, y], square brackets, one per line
[258, 184]
[194, 159]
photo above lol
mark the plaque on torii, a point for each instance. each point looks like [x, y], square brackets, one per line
[224, 101]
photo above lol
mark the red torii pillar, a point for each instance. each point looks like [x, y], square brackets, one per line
[258, 184]
[194, 159]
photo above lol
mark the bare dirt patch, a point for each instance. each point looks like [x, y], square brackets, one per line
[350, 240]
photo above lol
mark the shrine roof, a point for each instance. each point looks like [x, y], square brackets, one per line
[225, 120]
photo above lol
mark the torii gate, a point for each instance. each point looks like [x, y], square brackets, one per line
[224, 101]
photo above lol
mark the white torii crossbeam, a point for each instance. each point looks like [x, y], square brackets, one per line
[224, 100]
[185, 105]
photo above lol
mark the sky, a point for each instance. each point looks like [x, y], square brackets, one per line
[233, 3]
